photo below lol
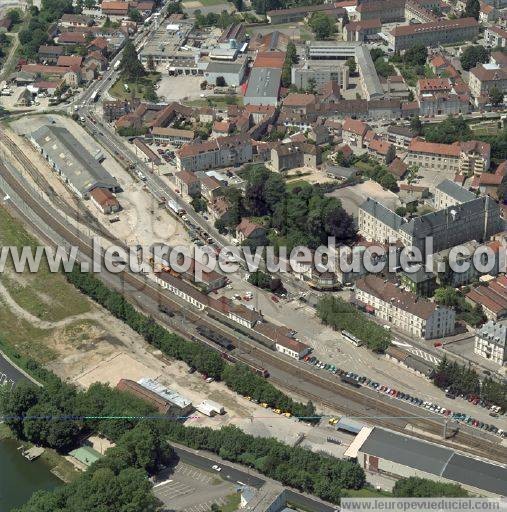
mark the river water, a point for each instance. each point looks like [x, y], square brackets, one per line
[19, 479]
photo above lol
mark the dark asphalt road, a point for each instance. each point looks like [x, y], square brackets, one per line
[228, 472]
[241, 477]
[8, 373]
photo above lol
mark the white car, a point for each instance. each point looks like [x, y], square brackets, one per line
[216, 467]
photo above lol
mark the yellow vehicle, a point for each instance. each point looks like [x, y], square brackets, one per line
[277, 411]
[333, 421]
[248, 398]
[265, 405]
[287, 414]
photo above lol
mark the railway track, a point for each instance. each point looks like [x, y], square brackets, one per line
[393, 417]
[76, 209]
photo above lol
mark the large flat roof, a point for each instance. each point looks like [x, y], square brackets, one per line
[81, 168]
[264, 83]
[437, 460]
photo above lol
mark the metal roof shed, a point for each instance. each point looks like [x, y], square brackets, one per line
[349, 425]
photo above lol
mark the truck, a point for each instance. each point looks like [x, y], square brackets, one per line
[95, 96]
[175, 207]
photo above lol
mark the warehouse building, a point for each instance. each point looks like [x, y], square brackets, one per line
[382, 451]
[179, 404]
[265, 77]
[231, 72]
[76, 166]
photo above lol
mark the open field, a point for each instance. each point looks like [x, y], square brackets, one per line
[139, 88]
[44, 294]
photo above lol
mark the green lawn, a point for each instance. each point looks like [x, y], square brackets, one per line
[44, 294]
[232, 503]
[297, 183]
[139, 88]
[365, 493]
[215, 101]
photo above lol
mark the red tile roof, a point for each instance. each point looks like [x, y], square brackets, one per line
[269, 60]
[355, 126]
[420, 146]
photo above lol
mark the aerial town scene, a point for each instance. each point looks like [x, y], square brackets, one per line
[253, 255]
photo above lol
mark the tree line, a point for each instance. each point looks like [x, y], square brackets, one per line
[463, 379]
[339, 315]
[203, 359]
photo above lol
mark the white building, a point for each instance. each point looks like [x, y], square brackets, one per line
[210, 408]
[491, 342]
[405, 310]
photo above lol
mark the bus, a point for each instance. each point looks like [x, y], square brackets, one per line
[351, 338]
[95, 96]
[117, 65]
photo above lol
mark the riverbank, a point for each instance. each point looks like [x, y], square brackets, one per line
[56, 464]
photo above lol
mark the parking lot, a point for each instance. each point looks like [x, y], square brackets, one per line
[191, 489]
[179, 87]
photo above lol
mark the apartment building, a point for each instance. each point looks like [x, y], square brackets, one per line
[472, 157]
[188, 183]
[387, 11]
[485, 77]
[295, 154]
[478, 219]
[213, 154]
[433, 34]
[413, 315]
[448, 193]
[173, 135]
[495, 36]
[354, 132]
[491, 342]
[321, 71]
[400, 136]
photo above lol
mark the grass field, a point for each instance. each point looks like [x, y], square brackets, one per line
[139, 88]
[215, 101]
[44, 294]
[232, 503]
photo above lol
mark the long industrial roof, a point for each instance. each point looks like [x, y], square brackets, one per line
[80, 167]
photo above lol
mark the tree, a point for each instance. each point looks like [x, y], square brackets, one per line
[312, 85]
[351, 64]
[322, 25]
[14, 15]
[473, 55]
[450, 130]
[151, 63]
[472, 9]
[135, 15]
[496, 96]
[220, 81]
[130, 65]
[414, 487]
[416, 125]
[416, 55]
[290, 59]
[89, 4]
[260, 279]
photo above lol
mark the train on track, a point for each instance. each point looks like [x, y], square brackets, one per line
[214, 336]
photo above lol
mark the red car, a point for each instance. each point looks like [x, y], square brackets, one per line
[437, 344]
[274, 298]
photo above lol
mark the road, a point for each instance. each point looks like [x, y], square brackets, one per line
[205, 460]
[199, 460]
